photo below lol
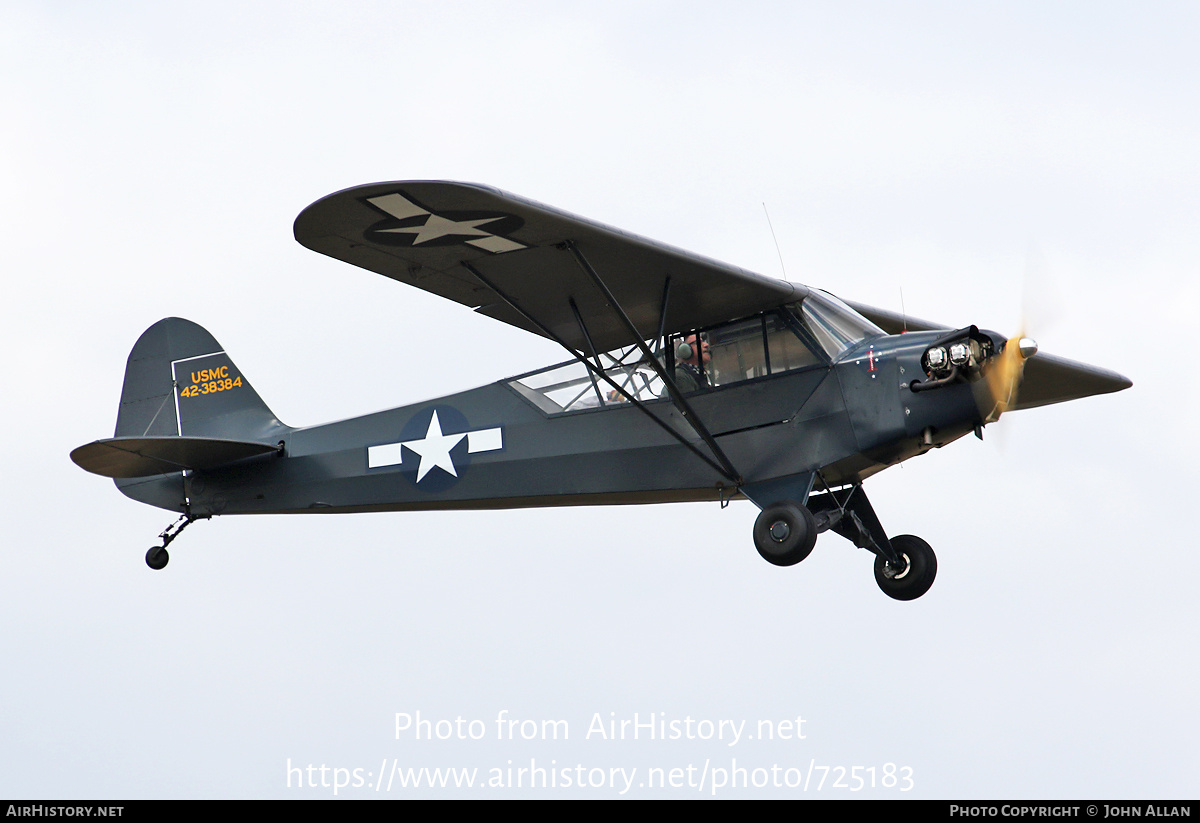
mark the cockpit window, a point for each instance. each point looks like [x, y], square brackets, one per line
[765, 344]
[755, 348]
[835, 325]
[773, 342]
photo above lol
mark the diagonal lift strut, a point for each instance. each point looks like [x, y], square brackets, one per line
[724, 468]
[685, 409]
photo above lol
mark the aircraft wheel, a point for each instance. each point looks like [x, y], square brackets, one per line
[157, 557]
[785, 533]
[914, 580]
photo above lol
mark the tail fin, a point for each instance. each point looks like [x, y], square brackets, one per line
[184, 406]
[180, 382]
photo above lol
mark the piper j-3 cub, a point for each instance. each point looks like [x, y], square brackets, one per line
[688, 380]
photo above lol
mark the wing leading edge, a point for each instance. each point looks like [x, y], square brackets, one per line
[427, 234]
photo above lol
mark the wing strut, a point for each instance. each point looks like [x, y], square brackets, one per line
[591, 346]
[598, 372]
[661, 341]
[677, 397]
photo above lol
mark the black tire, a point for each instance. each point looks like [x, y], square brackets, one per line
[157, 557]
[785, 533]
[917, 578]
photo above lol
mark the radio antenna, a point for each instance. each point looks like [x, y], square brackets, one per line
[782, 267]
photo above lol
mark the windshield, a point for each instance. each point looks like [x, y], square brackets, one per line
[835, 325]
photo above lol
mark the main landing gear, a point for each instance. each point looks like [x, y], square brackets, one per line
[786, 531]
[156, 556]
[913, 575]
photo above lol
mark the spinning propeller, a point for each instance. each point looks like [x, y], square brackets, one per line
[1003, 374]
[1040, 305]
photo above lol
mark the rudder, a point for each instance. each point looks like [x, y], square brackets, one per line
[180, 382]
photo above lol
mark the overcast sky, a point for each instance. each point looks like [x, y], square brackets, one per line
[152, 159]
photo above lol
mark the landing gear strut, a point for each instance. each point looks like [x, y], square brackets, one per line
[904, 565]
[786, 531]
[156, 556]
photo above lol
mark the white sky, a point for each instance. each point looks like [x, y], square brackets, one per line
[152, 159]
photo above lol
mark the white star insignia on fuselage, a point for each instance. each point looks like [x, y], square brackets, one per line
[434, 448]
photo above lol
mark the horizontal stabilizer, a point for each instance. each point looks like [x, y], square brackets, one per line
[145, 456]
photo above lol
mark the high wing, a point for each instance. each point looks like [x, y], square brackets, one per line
[893, 323]
[432, 234]
[519, 262]
[1050, 379]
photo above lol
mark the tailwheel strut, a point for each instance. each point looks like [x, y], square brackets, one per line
[156, 556]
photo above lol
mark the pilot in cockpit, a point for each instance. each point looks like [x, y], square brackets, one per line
[691, 362]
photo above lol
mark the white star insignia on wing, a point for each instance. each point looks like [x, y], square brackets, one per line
[436, 227]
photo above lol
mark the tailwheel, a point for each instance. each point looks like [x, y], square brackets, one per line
[915, 576]
[785, 533]
[157, 557]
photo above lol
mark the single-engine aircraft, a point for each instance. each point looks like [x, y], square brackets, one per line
[689, 380]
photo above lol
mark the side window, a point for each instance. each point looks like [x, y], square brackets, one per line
[755, 347]
[737, 352]
[786, 349]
